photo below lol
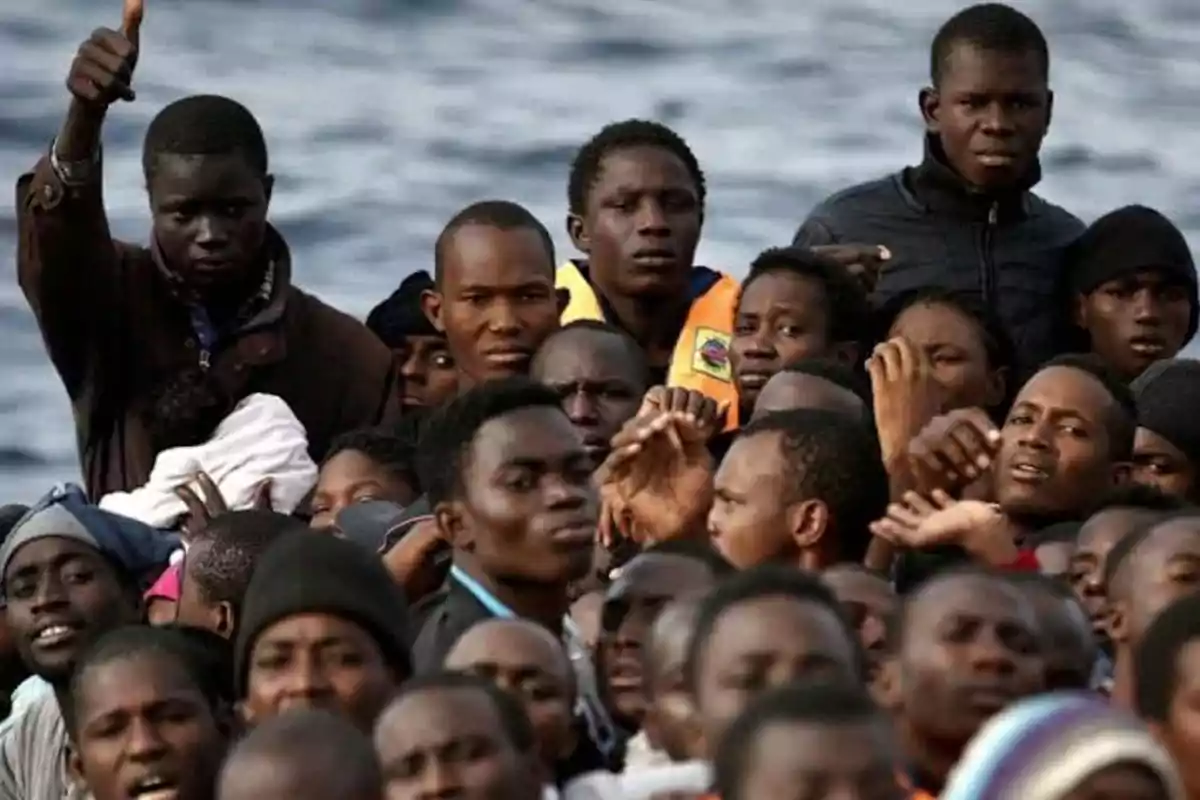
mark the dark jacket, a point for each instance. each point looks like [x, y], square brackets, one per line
[1005, 250]
[117, 332]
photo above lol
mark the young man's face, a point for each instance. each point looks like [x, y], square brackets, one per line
[496, 301]
[1136, 320]
[990, 112]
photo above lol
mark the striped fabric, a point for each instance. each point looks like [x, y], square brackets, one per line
[1044, 747]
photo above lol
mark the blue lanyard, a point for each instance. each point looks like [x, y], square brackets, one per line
[601, 728]
[485, 598]
[494, 606]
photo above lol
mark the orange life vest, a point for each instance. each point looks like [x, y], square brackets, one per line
[700, 360]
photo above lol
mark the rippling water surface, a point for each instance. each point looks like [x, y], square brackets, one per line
[384, 118]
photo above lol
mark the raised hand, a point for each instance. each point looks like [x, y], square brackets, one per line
[905, 396]
[206, 502]
[656, 483]
[954, 449]
[102, 72]
[864, 262]
[980, 528]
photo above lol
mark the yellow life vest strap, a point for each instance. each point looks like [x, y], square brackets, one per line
[700, 360]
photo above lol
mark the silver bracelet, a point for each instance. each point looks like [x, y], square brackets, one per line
[73, 173]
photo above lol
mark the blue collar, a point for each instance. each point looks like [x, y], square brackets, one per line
[486, 599]
[496, 607]
[600, 727]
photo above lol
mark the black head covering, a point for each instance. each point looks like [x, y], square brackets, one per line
[400, 315]
[1127, 240]
[320, 573]
[1168, 395]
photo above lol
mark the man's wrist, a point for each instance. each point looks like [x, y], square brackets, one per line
[74, 172]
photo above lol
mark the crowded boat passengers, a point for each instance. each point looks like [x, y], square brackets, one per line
[910, 510]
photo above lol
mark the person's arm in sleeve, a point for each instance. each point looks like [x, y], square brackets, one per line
[67, 262]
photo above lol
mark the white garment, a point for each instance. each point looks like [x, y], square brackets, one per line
[260, 440]
[640, 754]
[30, 690]
[689, 777]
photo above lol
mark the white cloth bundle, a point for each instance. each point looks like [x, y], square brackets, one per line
[261, 439]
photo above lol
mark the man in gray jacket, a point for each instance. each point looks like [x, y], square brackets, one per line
[965, 218]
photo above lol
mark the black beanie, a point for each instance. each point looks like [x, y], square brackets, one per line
[400, 315]
[320, 573]
[1168, 395]
[1127, 240]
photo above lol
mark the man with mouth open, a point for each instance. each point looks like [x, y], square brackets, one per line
[636, 198]
[965, 218]
[70, 574]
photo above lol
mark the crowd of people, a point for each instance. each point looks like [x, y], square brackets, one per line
[910, 511]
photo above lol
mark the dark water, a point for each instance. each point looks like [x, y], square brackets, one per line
[386, 117]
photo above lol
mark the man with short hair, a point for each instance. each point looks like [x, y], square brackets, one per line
[965, 218]
[156, 345]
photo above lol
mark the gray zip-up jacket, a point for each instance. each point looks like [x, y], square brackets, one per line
[1005, 250]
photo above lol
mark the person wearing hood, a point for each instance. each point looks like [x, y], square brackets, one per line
[1131, 285]
[1166, 448]
[70, 573]
[965, 218]
[427, 371]
[322, 625]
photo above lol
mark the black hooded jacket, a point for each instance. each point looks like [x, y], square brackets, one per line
[1005, 250]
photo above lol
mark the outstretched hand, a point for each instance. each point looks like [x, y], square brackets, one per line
[863, 262]
[980, 528]
[206, 502]
[656, 483]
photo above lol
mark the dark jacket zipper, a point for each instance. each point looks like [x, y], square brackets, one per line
[987, 262]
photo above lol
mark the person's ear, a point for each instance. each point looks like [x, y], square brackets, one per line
[1122, 473]
[577, 231]
[930, 102]
[450, 520]
[808, 522]
[268, 188]
[224, 619]
[431, 307]
[1049, 108]
[563, 297]
[886, 688]
[1117, 622]
[74, 766]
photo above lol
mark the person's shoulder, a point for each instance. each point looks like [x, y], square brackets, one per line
[1055, 215]
[342, 333]
[39, 726]
[886, 188]
[842, 213]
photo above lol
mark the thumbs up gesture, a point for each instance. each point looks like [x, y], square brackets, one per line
[102, 71]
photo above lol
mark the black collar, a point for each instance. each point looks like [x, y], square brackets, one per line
[936, 186]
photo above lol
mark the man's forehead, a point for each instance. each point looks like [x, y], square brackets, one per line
[967, 594]
[1066, 388]
[1167, 540]
[535, 433]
